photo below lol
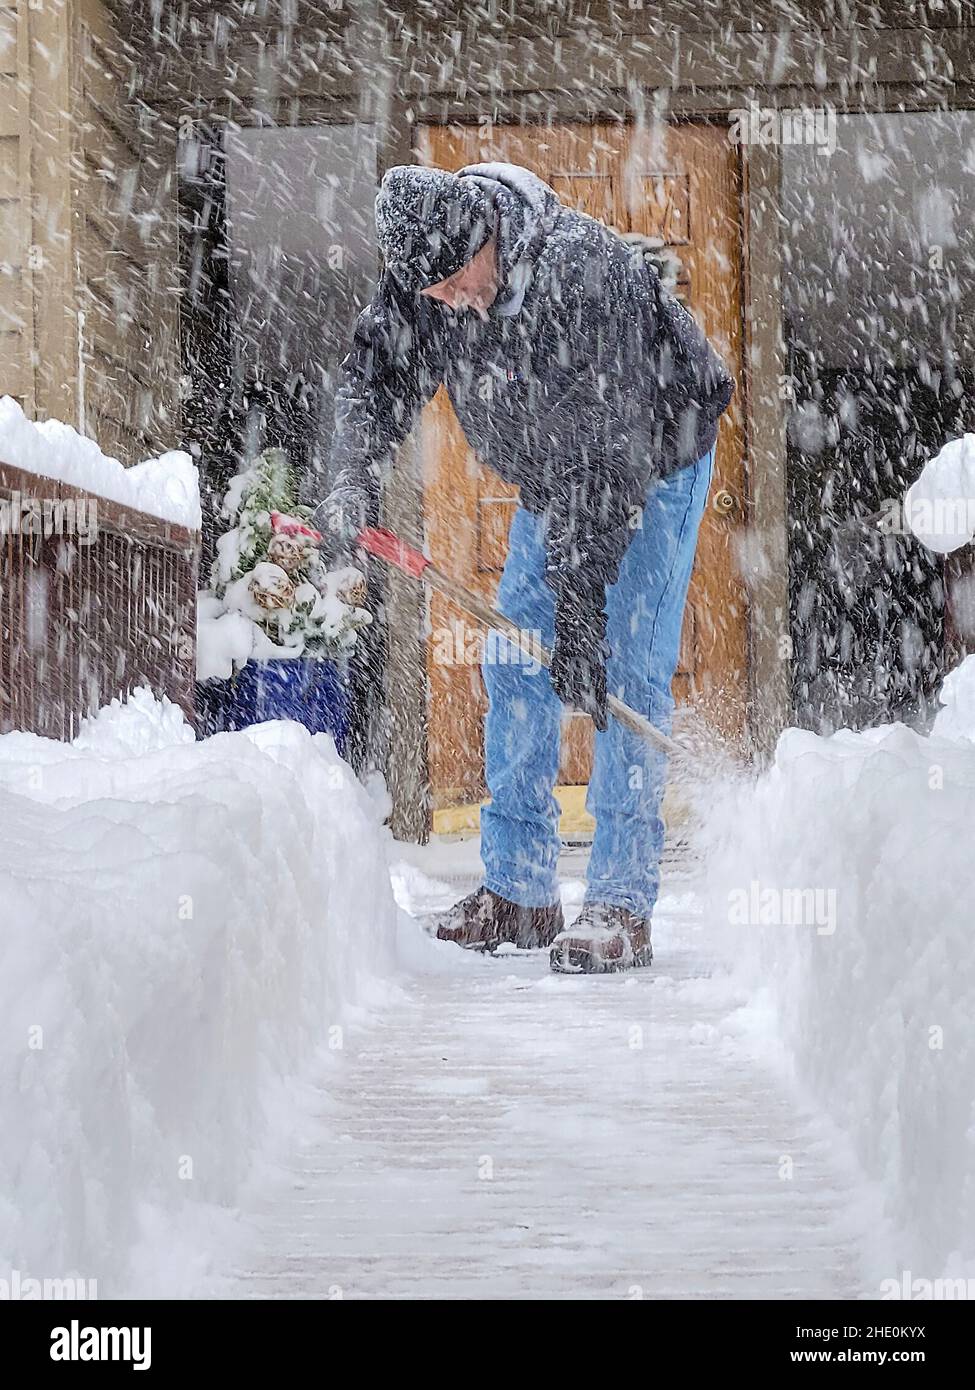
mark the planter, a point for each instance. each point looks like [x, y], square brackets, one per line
[313, 693]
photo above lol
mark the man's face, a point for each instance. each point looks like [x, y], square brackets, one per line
[474, 286]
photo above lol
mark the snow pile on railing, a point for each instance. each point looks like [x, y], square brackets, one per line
[939, 507]
[167, 487]
[843, 882]
[956, 718]
[185, 926]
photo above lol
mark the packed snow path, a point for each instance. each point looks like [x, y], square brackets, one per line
[503, 1133]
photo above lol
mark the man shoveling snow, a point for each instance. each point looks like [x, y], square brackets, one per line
[575, 376]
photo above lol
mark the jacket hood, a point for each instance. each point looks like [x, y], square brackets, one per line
[430, 223]
[526, 210]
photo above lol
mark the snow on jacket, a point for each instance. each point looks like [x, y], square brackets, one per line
[586, 381]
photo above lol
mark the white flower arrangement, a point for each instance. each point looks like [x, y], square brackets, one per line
[271, 596]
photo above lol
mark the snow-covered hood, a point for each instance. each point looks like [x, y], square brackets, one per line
[527, 209]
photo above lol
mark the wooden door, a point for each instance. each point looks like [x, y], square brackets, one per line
[681, 184]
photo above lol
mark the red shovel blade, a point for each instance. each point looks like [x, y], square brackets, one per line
[388, 546]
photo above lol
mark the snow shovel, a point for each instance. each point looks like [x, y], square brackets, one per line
[387, 546]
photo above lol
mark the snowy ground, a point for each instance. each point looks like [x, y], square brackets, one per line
[499, 1132]
[232, 1062]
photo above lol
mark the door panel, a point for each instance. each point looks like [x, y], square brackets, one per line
[681, 184]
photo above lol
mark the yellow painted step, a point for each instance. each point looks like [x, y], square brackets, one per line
[574, 820]
[466, 820]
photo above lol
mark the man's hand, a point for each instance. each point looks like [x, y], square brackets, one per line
[578, 670]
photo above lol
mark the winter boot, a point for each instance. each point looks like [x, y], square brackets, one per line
[483, 920]
[603, 938]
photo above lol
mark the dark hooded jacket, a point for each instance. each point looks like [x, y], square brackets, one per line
[586, 381]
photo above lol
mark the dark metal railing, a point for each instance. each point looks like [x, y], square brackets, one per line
[96, 598]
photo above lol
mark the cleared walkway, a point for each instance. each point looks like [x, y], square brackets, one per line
[503, 1133]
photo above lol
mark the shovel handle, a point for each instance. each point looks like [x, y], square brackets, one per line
[386, 545]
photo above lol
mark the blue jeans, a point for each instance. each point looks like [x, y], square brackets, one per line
[645, 610]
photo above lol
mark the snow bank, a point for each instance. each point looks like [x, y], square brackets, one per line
[956, 718]
[842, 881]
[166, 487]
[184, 925]
[939, 507]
